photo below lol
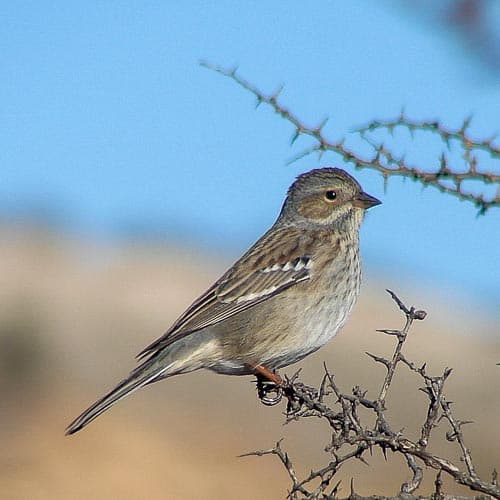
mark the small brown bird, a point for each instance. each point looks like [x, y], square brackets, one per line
[283, 299]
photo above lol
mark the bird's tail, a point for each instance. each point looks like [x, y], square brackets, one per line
[149, 371]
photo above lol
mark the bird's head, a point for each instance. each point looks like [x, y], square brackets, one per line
[326, 197]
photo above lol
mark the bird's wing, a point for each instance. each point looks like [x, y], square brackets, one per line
[279, 260]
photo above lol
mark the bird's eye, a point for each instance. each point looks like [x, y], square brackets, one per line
[330, 195]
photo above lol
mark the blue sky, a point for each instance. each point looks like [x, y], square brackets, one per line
[109, 125]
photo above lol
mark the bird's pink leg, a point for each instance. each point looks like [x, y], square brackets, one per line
[266, 373]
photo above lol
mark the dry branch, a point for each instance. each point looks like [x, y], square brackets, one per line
[442, 176]
[351, 438]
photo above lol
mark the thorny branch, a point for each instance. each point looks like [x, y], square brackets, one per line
[351, 438]
[442, 176]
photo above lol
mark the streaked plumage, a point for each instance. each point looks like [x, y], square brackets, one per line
[283, 299]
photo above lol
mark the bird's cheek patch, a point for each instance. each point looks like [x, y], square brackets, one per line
[314, 208]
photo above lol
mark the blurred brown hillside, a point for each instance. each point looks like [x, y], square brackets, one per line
[72, 317]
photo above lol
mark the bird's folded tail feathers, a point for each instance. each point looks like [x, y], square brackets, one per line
[142, 375]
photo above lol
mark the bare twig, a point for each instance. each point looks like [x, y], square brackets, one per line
[461, 136]
[441, 176]
[351, 438]
[285, 460]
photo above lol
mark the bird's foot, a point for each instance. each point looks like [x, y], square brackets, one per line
[270, 393]
[269, 385]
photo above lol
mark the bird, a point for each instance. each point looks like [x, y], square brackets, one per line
[286, 297]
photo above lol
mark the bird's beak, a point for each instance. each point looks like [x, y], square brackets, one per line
[364, 200]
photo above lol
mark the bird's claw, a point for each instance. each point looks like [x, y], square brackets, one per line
[265, 389]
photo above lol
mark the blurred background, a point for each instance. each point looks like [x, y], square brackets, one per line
[131, 177]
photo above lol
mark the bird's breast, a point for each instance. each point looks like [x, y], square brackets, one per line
[317, 309]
